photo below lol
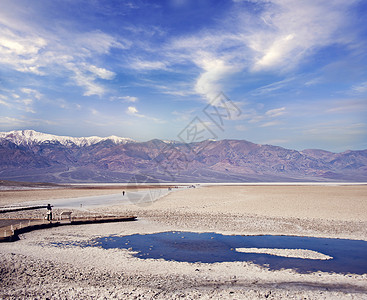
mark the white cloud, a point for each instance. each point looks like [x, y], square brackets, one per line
[12, 122]
[129, 98]
[2, 102]
[99, 72]
[280, 35]
[260, 118]
[19, 52]
[360, 88]
[348, 106]
[94, 111]
[62, 103]
[292, 30]
[97, 42]
[176, 93]
[270, 88]
[10, 43]
[270, 124]
[32, 92]
[314, 81]
[275, 112]
[26, 101]
[276, 52]
[132, 110]
[142, 65]
[277, 38]
[178, 89]
[57, 53]
[26, 105]
[255, 118]
[209, 82]
[88, 83]
[84, 75]
[335, 132]
[217, 54]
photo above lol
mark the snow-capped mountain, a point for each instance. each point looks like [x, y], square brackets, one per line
[31, 137]
[32, 156]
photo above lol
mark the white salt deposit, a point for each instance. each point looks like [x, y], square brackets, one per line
[294, 253]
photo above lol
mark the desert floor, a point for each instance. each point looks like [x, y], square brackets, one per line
[42, 264]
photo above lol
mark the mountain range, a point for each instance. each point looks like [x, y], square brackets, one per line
[33, 156]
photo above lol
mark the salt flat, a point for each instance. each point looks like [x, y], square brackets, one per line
[62, 270]
[344, 203]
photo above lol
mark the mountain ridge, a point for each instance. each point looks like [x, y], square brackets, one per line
[119, 160]
[31, 136]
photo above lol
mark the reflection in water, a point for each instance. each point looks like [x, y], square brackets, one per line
[347, 256]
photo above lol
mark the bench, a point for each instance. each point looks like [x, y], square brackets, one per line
[65, 213]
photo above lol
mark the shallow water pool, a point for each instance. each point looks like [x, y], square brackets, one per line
[347, 256]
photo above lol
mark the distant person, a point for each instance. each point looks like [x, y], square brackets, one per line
[49, 212]
[123, 193]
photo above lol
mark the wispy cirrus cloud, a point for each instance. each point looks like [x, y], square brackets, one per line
[26, 48]
[146, 65]
[14, 122]
[271, 124]
[276, 112]
[292, 31]
[182, 89]
[334, 131]
[348, 106]
[214, 69]
[284, 62]
[277, 39]
[24, 100]
[126, 98]
[360, 88]
[31, 92]
[273, 87]
[133, 111]
[4, 100]
[4, 103]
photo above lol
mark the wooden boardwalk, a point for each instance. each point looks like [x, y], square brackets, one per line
[20, 208]
[11, 228]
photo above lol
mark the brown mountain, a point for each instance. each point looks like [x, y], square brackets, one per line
[122, 160]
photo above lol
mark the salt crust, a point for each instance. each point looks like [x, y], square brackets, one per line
[72, 272]
[295, 253]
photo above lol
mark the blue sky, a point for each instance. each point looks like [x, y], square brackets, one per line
[296, 71]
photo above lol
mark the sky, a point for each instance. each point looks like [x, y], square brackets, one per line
[281, 72]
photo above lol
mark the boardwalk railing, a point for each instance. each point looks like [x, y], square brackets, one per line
[11, 232]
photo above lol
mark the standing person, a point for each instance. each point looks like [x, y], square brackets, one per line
[49, 212]
[123, 193]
